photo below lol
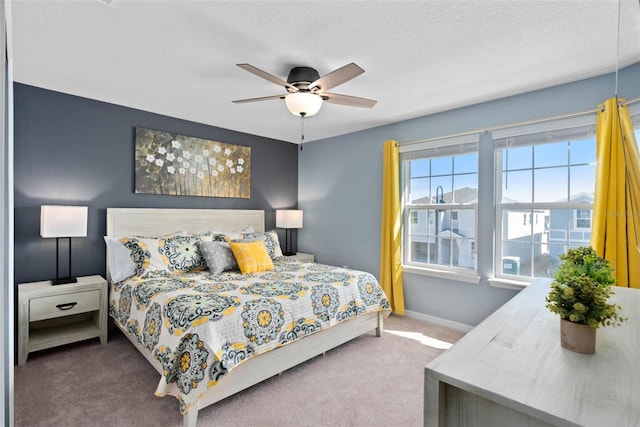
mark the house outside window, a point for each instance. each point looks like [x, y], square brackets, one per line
[440, 182]
[548, 177]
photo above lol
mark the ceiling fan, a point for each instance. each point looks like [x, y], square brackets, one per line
[307, 90]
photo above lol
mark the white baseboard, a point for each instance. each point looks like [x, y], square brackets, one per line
[438, 321]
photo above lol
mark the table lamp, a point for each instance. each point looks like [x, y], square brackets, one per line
[288, 219]
[63, 222]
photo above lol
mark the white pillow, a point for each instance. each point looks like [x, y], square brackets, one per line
[121, 266]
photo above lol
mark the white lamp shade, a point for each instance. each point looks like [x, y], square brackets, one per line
[63, 221]
[289, 218]
[303, 103]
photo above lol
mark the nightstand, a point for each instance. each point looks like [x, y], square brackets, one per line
[302, 257]
[49, 316]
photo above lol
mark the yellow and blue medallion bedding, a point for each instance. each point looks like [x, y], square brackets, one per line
[199, 326]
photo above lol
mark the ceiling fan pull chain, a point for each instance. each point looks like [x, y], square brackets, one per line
[302, 127]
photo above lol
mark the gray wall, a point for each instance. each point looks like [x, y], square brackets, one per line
[340, 186]
[73, 150]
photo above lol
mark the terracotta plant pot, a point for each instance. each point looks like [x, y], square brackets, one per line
[577, 337]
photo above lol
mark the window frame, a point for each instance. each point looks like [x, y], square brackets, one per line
[576, 218]
[566, 130]
[438, 148]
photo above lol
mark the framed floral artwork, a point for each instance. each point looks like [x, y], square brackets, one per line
[167, 163]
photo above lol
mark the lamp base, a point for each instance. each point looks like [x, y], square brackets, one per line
[63, 280]
[289, 253]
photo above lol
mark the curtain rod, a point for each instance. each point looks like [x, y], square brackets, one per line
[515, 124]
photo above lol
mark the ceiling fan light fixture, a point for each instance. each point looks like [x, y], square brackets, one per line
[304, 104]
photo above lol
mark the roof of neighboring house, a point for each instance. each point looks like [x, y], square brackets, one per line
[470, 195]
[581, 197]
[462, 195]
[449, 233]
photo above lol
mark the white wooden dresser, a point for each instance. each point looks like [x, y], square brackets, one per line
[511, 370]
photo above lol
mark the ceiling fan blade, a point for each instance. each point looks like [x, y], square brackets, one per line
[270, 77]
[264, 98]
[337, 77]
[351, 101]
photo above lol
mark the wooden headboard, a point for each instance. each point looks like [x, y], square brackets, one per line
[160, 221]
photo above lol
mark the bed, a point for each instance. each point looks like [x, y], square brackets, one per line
[211, 334]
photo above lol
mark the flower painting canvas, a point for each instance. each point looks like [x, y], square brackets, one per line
[178, 165]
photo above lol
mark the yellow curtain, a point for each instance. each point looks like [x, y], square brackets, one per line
[616, 205]
[391, 230]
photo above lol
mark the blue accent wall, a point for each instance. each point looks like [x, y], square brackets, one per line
[78, 151]
[340, 188]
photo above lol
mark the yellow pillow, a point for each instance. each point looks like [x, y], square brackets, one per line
[251, 256]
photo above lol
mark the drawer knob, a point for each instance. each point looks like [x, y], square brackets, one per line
[66, 306]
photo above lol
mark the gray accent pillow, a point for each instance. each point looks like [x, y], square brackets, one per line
[218, 256]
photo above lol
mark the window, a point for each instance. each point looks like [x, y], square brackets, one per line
[414, 218]
[545, 179]
[440, 183]
[582, 218]
[541, 204]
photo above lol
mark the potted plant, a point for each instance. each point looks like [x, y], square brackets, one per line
[579, 294]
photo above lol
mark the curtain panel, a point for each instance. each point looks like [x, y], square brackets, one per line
[391, 229]
[616, 210]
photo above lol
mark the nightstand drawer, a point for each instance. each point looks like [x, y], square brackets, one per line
[63, 305]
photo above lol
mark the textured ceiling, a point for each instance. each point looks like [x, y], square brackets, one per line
[178, 57]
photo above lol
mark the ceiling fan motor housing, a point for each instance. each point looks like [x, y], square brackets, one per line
[302, 77]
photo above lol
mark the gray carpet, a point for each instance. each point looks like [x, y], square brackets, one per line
[368, 382]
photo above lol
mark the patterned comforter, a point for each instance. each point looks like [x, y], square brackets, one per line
[199, 326]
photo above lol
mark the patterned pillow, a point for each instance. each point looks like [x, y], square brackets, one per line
[219, 256]
[252, 256]
[177, 254]
[183, 254]
[271, 242]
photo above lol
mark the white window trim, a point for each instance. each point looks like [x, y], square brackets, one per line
[498, 282]
[459, 275]
[435, 143]
[546, 126]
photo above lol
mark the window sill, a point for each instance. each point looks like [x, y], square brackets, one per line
[443, 274]
[508, 284]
